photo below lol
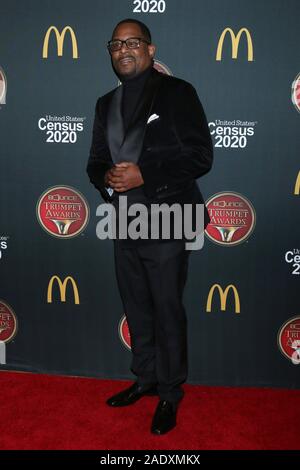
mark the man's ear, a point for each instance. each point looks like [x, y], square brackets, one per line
[151, 49]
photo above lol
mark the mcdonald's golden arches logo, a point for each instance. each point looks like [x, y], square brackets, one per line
[235, 40]
[223, 297]
[62, 289]
[60, 37]
[297, 185]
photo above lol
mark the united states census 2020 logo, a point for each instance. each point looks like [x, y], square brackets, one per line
[232, 218]
[3, 87]
[296, 92]
[289, 340]
[8, 322]
[62, 211]
[124, 332]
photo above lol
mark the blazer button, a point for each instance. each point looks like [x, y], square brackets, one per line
[148, 149]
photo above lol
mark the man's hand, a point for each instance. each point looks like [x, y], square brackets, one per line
[124, 176]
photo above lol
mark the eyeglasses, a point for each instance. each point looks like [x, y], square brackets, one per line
[131, 43]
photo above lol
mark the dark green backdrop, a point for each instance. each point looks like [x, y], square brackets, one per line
[65, 338]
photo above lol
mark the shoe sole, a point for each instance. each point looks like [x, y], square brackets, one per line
[150, 393]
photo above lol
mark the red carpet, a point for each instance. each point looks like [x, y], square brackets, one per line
[50, 412]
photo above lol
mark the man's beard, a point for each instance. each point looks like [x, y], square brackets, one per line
[124, 76]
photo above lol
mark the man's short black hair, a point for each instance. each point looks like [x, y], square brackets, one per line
[145, 30]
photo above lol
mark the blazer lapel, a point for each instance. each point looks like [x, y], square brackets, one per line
[144, 106]
[115, 128]
[127, 147]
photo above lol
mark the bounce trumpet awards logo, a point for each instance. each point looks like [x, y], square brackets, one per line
[161, 67]
[62, 211]
[8, 322]
[124, 332]
[296, 92]
[289, 340]
[232, 218]
[3, 87]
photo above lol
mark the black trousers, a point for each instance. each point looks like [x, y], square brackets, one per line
[151, 280]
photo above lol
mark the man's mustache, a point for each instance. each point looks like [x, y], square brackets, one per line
[126, 57]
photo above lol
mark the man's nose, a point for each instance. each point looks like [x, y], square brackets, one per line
[124, 47]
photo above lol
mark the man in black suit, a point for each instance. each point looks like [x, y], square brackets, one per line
[150, 143]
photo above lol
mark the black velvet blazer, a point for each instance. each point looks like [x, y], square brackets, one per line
[168, 138]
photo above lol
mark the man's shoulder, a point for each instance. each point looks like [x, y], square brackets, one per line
[105, 98]
[103, 101]
[169, 82]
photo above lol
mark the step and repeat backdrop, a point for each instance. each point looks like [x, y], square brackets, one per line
[60, 310]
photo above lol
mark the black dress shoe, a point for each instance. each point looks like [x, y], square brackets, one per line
[131, 395]
[164, 418]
